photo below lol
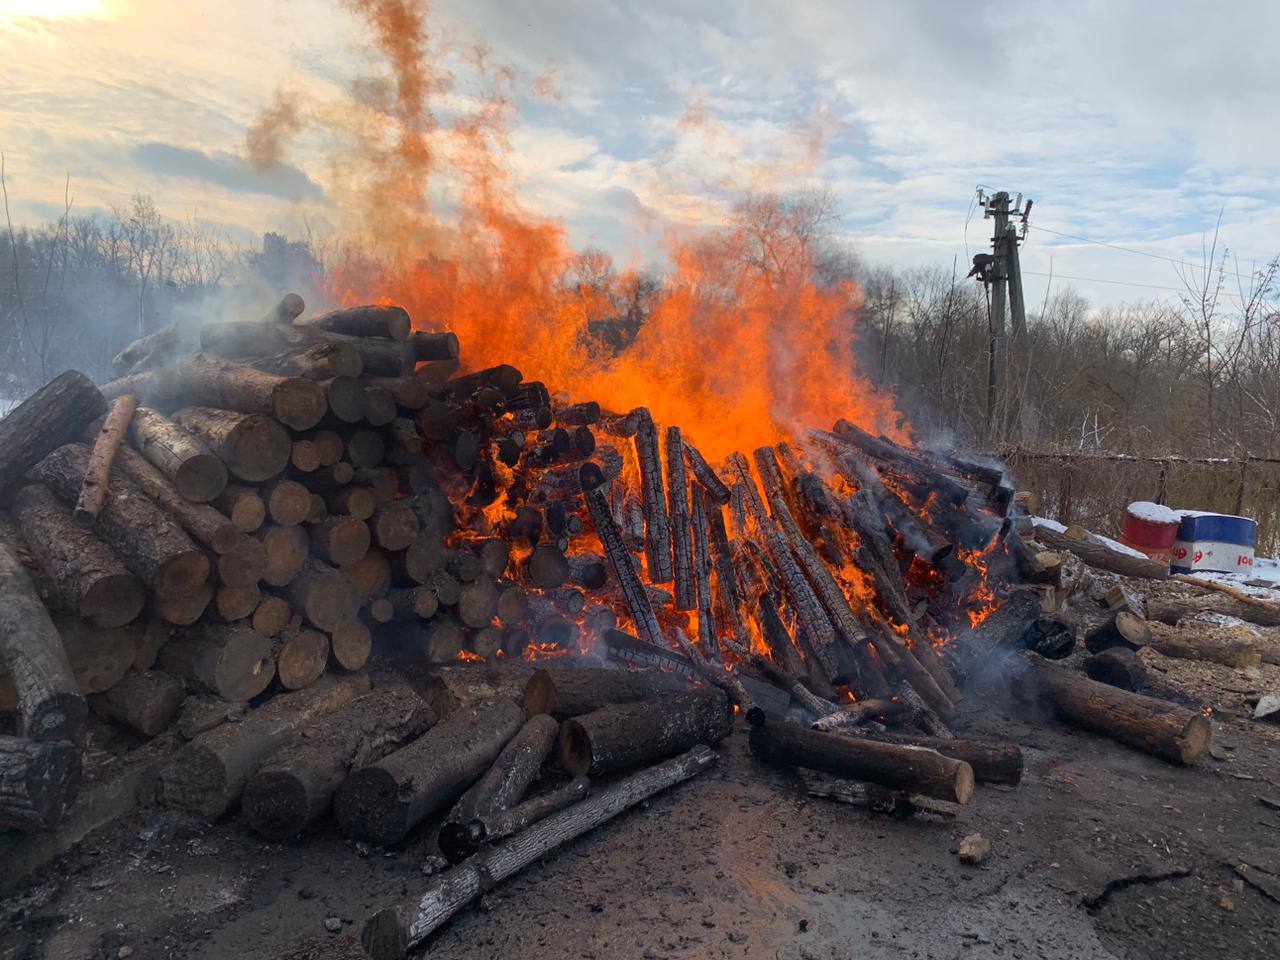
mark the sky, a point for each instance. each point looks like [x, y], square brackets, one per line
[1129, 123]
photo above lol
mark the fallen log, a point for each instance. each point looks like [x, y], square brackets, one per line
[382, 802]
[901, 767]
[144, 701]
[1171, 611]
[229, 660]
[991, 762]
[625, 735]
[253, 447]
[93, 488]
[320, 361]
[49, 703]
[39, 781]
[1103, 557]
[1153, 726]
[394, 930]
[1229, 646]
[296, 784]
[55, 414]
[207, 776]
[214, 381]
[495, 825]
[87, 575]
[872, 796]
[571, 691]
[183, 458]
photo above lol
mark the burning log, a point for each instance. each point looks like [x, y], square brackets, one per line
[188, 464]
[728, 592]
[380, 803]
[55, 414]
[657, 533]
[294, 787]
[394, 930]
[86, 575]
[151, 544]
[708, 635]
[253, 447]
[1123, 629]
[229, 660]
[578, 414]
[144, 701]
[678, 510]
[50, 706]
[38, 782]
[711, 483]
[1004, 631]
[901, 767]
[1153, 726]
[207, 776]
[213, 381]
[619, 736]
[243, 506]
[93, 488]
[390, 323]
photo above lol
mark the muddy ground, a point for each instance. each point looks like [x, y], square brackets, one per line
[1100, 852]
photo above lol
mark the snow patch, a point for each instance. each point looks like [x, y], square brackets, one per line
[1153, 512]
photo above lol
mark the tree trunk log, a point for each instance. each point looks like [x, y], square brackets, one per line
[394, 525]
[208, 775]
[1097, 555]
[1117, 667]
[85, 572]
[678, 510]
[296, 784]
[193, 469]
[1153, 726]
[213, 381]
[351, 643]
[910, 768]
[93, 488]
[1123, 629]
[144, 701]
[201, 521]
[391, 932]
[288, 502]
[55, 414]
[157, 349]
[324, 597]
[229, 660]
[50, 706]
[494, 825]
[243, 506]
[271, 616]
[185, 609]
[287, 551]
[382, 802]
[1206, 642]
[236, 603]
[1168, 611]
[253, 447]
[625, 735]
[301, 657]
[320, 361]
[154, 386]
[567, 692]
[339, 540]
[389, 323]
[656, 528]
[705, 475]
[708, 634]
[38, 783]
[991, 762]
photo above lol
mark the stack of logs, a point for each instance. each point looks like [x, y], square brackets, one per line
[253, 507]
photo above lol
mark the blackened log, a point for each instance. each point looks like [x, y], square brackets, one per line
[504, 378]
[588, 570]
[657, 532]
[50, 706]
[93, 488]
[678, 511]
[229, 660]
[38, 782]
[478, 603]
[620, 736]
[571, 691]
[365, 448]
[425, 347]
[578, 414]
[55, 414]
[1003, 632]
[296, 784]
[181, 456]
[150, 543]
[394, 930]
[214, 381]
[495, 825]
[253, 447]
[915, 769]
[144, 701]
[86, 574]
[390, 323]
[547, 567]
[992, 762]
[207, 776]
[705, 475]
[728, 592]
[380, 803]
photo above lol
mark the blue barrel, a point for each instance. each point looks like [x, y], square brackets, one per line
[1214, 542]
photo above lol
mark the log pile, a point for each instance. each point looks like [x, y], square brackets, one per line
[295, 495]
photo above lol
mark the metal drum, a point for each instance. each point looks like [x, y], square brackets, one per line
[1214, 542]
[1151, 528]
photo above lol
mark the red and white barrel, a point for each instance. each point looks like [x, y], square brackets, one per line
[1151, 528]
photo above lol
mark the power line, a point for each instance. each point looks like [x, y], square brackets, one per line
[1141, 253]
[1122, 283]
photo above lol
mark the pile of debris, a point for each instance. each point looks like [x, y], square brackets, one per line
[550, 591]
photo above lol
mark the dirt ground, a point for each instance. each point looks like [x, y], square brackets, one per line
[1100, 852]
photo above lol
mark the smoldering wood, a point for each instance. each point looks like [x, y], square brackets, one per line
[145, 701]
[381, 802]
[394, 930]
[55, 414]
[229, 660]
[706, 476]
[654, 500]
[896, 803]
[708, 634]
[87, 575]
[162, 387]
[156, 349]
[241, 339]
[188, 463]
[207, 776]
[39, 780]
[253, 447]
[102, 454]
[680, 547]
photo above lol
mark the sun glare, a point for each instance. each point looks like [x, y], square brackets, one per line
[52, 9]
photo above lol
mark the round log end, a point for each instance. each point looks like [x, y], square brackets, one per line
[288, 503]
[575, 748]
[275, 804]
[182, 574]
[539, 694]
[291, 305]
[244, 564]
[113, 600]
[1194, 740]
[351, 645]
[258, 449]
[244, 666]
[964, 782]
[455, 842]
[298, 403]
[302, 659]
[201, 478]
[385, 936]
[58, 717]
[367, 807]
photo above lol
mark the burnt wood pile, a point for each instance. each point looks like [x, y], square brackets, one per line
[551, 593]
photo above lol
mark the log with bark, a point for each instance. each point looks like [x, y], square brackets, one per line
[93, 488]
[656, 520]
[389, 323]
[901, 767]
[243, 506]
[991, 762]
[214, 381]
[207, 776]
[320, 361]
[87, 575]
[144, 701]
[1194, 640]
[39, 780]
[230, 660]
[380, 803]
[300, 656]
[494, 825]
[624, 735]
[55, 414]
[181, 456]
[49, 703]
[1173, 610]
[1153, 726]
[396, 929]
[294, 787]
[1121, 629]
[253, 447]
[1101, 556]
[146, 538]
[156, 349]
[1117, 667]
[324, 597]
[872, 796]
[287, 551]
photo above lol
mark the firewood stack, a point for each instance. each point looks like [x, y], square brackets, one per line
[250, 515]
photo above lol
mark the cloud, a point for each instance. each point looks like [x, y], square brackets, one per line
[227, 170]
